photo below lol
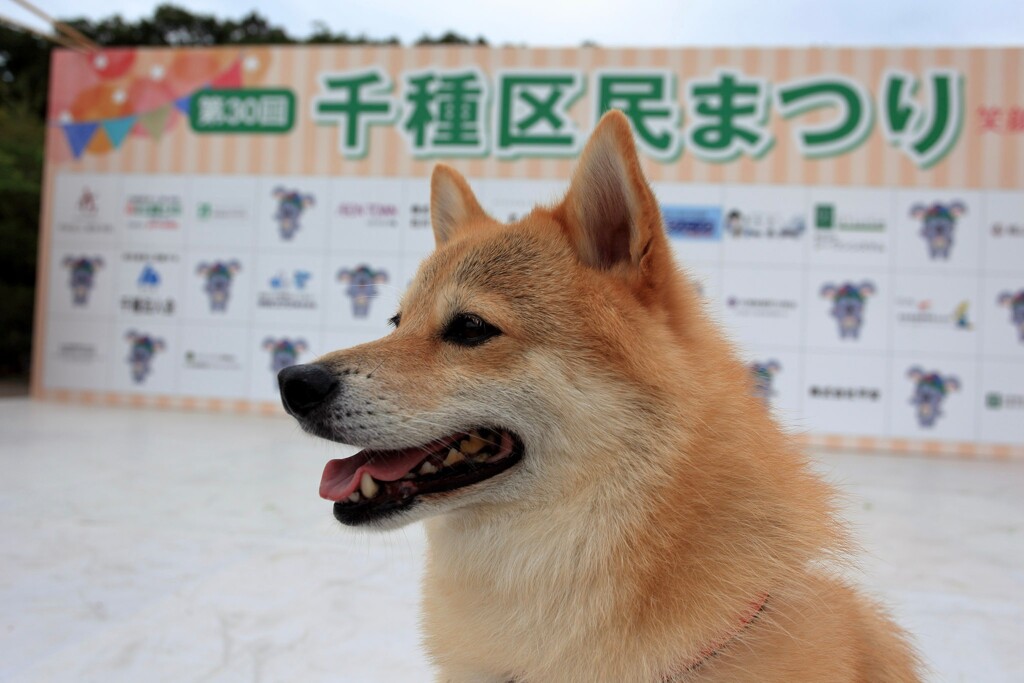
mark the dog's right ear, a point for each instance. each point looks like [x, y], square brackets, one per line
[452, 203]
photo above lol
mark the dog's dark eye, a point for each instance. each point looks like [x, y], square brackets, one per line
[395, 319]
[467, 329]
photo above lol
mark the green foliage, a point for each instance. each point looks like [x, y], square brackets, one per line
[21, 170]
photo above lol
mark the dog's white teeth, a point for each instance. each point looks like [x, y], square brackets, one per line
[427, 468]
[454, 457]
[354, 497]
[368, 486]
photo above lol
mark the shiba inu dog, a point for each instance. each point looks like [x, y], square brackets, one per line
[606, 497]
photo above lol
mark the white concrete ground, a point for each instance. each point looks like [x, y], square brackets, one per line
[144, 546]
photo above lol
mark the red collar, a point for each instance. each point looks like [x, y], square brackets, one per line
[754, 609]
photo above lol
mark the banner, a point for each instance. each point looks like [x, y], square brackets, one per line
[854, 217]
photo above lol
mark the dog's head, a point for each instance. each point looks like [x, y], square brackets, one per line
[526, 359]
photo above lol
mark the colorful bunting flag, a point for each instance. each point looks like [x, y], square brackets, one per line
[182, 103]
[79, 135]
[155, 121]
[117, 129]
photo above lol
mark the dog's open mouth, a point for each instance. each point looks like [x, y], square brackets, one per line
[374, 483]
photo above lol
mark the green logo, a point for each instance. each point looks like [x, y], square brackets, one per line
[824, 216]
[994, 401]
[242, 111]
[205, 210]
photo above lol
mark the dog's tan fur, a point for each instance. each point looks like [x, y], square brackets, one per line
[657, 496]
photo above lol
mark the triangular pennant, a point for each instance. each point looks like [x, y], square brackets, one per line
[118, 129]
[182, 103]
[155, 121]
[79, 135]
[232, 78]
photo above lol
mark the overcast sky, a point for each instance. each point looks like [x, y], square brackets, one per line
[618, 22]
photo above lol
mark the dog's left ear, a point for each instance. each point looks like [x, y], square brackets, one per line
[452, 203]
[610, 213]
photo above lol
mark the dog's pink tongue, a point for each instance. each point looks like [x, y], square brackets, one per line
[341, 477]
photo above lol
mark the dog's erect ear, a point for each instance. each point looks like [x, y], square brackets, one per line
[452, 203]
[610, 213]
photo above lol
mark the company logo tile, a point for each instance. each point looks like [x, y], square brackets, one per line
[849, 231]
[202, 360]
[844, 393]
[153, 211]
[1015, 302]
[763, 307]
[419, 215]
[210, 211]
[142, 352]
[290, 206]
[930, 391]
[288, 289]
[923, 312]
[938, 226]
[83, 276]
[371, 214]
[1001, 230]
[217, 278]
[764, 225]
[998, 400]
[150, 297]
[692, 222]
[361, 286]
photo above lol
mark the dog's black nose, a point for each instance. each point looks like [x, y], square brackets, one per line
[304, 387]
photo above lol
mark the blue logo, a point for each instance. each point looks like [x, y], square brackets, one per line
[703, 223]
[149, 278]
[298, 280]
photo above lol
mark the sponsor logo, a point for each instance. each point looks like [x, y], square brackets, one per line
[361, 286]
[290, 206]
[1008, 230]
[703, 223]
[200, 360]
[827, 218]
[207, 212]
[938, 225]
[763, 375]
[761, 307]
[910, 311]
[153, 211]
[217, 278]
[284, 352]
[841, 393]
[997, 400]
[1015, 302]
[848, 302]
[141, 352]
[85, 215]
[150, 299]
[764, 224]
[87, 205]
[288, 290]
[374, 214]
[83, 276]
[77, 352]
[930, 390]
[836, 230]
[419, 216]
